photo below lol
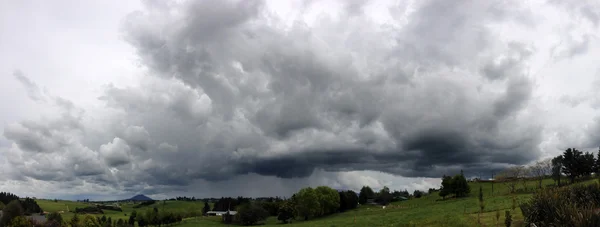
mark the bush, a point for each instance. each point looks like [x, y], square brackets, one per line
[89, 210]
[567, 206]
[286, 212]
[251, 213]
[145, 203]
[114, 208]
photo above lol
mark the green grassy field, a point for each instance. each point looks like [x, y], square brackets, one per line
[429, 210]
[66, 206]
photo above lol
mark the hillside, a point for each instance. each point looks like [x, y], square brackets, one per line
[426, 211]
[429, 210]
[139, 198]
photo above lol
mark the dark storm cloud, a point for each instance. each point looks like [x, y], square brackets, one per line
[287, 103]
[232, 91]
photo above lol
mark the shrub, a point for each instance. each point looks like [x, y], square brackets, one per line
[114, 208]
[89, 210]
[251, 213]
[567, 206]
[145, 203]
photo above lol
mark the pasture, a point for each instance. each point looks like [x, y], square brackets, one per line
[429, 210]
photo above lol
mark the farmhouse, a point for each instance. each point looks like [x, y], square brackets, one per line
[220, 213]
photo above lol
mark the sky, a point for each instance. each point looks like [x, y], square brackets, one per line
[211, 98]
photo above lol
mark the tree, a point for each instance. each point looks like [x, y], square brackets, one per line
[538, 171]
[384, 197]
[132, 218]
[460, 186]
[588, 163]
[418, 193]
[90, 221]
[75, 221]
[557, 166]
[20, 221]
[206, 208]
[365, 193]
[446, 188]
[572, 162]
[287, 212]
[351, 200]
[510, 177]
[251, 213]
[307, 203]
[329, 200]
[11, 211]
[597, 164]
[55, 216]
[141, 220]
[525, 171]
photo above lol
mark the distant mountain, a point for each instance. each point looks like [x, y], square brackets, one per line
[140, 198]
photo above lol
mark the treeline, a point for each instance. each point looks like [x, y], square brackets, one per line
[29, 205]
[457, 186]
[575, 164]
[184, 198]
[228, 203]
[307, 203]
[156, 217]
[385, 196]
[89, 210]
[145, 203]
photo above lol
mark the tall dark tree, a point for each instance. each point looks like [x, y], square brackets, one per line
[597, 164]
[132, 218]
[365, 193]
[572, 163]
[206, 208]
[587, 164]
[418, 193]
[460, 186]
[343, 201]
[384, 196]
[557, 166]
[351, 200]
[446, 188]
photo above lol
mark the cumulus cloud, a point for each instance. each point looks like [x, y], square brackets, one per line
[233, 93]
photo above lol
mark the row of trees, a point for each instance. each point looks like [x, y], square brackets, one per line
[384, 196]
[574, 164]
[29, 205]
[228, 203]
[306, 203]
[456, 186]
[183, 198]
[155, 217]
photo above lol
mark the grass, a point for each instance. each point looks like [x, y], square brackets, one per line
[429, 210]
[66, 206]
